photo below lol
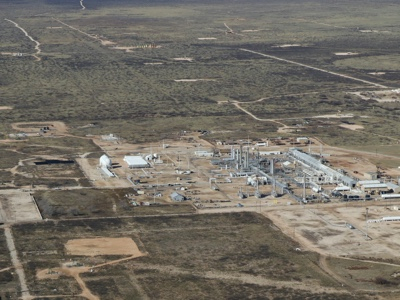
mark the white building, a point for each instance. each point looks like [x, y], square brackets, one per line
[136, 162]
[203, 153]
[105, 161]
[106, 164]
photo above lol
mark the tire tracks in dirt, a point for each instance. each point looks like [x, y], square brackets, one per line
[315, 68]
[309, 286]
[37, 46]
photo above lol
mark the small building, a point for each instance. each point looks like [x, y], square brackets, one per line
[110, 137]
[371, 175]
[302, 140]
[136, 162]
[364, 182]
[177, 197]
[378, 187]
[203, 153]
[348, 181]
[390, 196]
[341, 189]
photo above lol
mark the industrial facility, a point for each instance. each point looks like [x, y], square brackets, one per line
[242, 170]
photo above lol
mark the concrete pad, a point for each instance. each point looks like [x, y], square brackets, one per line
[18, 206]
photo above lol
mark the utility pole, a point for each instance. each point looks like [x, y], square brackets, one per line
[304, 187]
[366, 222]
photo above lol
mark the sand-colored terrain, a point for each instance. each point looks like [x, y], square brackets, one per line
[18, 206]
[351, 126]
[103, 246]
[323, 229]
[55, 126]
[91, 247]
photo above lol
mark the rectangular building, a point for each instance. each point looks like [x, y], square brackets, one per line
[136, 162]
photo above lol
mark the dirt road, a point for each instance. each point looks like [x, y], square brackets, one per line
[16, 263]
[245, 278]
[316, 69]
[37, 46]
[257, 118]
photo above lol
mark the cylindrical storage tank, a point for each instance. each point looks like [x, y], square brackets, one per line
[105, 161]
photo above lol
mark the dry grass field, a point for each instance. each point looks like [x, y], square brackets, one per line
[204, 256]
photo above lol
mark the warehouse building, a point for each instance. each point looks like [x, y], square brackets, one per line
[177, 197]
[377, 187]
[135, 162]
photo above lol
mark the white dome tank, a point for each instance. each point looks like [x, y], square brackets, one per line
[105, 161]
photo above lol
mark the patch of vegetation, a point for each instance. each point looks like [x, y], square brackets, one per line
[8, 278]
[99, 203]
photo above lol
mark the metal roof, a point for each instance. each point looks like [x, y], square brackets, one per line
[388, 196]
[177, 197]
[135, 161]
[392, 185]
[363, 182]
[375, 185]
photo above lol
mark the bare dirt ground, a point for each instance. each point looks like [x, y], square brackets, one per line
[305, 284]
[102, 246]
[18, 206]
[5, 107]
[380, 95]
[55, 126]
[91, 247]
[322, 228]
[90, 167]
[351, 126]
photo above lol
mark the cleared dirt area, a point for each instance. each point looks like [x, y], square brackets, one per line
[325, 229]
[18, 206]
[103, 246]
[5, 107]
[351, 126]
[55, 127]
[92, 171]
[380, 95]
[91, 247]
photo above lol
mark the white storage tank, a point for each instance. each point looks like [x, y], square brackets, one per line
[105, 161]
